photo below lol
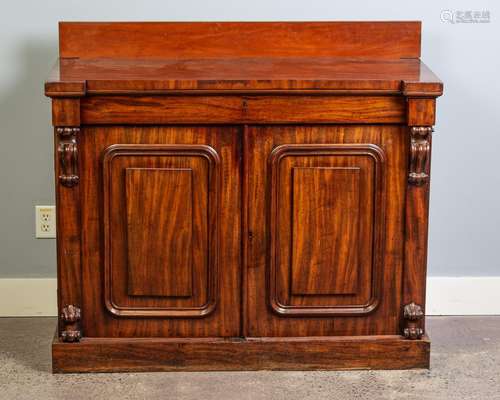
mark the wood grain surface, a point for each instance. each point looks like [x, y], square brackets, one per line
[212, 309]
[154, 110]
[241, 195]
[376, 57]
[325, 218]
[380, 271]
[294, 74]
[239, 39]
[415, 240]
[212, 354]
[159, 231]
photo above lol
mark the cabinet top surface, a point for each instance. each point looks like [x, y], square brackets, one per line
[322, 56]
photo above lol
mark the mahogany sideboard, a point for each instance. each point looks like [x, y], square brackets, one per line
[241, 195]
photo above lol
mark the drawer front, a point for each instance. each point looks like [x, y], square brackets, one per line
[247, 109]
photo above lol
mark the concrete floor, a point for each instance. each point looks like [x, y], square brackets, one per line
[465, 365]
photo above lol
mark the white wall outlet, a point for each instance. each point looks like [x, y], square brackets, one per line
[45, 222]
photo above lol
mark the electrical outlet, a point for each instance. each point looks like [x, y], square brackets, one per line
[45, 222]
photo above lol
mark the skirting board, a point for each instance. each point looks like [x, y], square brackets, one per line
[28, 297]
[445, 296]
[463, 295]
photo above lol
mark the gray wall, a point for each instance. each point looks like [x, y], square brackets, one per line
[465, 203]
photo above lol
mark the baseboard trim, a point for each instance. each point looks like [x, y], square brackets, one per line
[30, 297]
[463, 295]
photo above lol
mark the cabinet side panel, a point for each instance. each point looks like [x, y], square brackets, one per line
[69, 277]
[416, 236]
[66, 120]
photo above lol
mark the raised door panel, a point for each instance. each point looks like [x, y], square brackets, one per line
[325, 217]
[160, 250]
[161, 233]
[324, 229]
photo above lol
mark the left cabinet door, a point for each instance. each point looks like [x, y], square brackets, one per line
[160, 212]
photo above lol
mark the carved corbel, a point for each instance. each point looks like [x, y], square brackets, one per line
[68, 156]
[413, 317]
[420, 148]
[70, 318]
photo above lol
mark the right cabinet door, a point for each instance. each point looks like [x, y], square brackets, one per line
[325, 221]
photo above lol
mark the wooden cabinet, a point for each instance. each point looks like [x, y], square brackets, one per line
[241, 195]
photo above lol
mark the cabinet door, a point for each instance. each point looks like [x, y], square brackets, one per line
[161, 231]
[324, 229]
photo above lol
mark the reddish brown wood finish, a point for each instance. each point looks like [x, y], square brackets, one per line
[210, 310]
[379, 270]
[69, 272]
[213, 354]
[66, 112]
[239, 39]
[152, 240]
[415, 239]
[160, 250]
[322, 195]
[421, 112]
[286, 240]
[258, 206]
[340, 57]
[154, 110]
[294, 74]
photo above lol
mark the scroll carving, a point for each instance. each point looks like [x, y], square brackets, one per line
[68, 156]
[70, 318]
[413, 316]
[419, 154]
